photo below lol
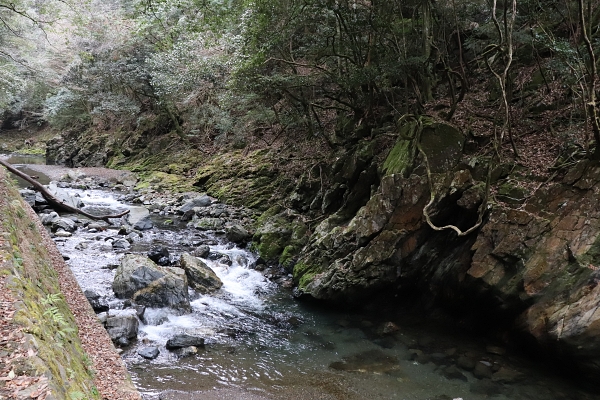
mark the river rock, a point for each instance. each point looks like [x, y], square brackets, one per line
[66, 224]
[144, 224]
[121, 244]
[483, 369]
[201, 251]
[202, 201]
[184, 340]
[201, 277]
[371, 361]
[237, 234]
[466, 363]
[186, 351]
[452, 372]
[208, 224]
[62, 234]
[29, 196]
[140, 279]
[122, 326]
[49, 218]
[149, 353]
[98, 304]
[159, 255]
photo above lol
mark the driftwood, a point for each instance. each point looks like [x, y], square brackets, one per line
[53, 200]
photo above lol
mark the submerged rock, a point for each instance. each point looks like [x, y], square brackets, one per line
[371, 361]
[184, 340]
[140, 279]
[144, 224]
[149, 353]
[201, 277]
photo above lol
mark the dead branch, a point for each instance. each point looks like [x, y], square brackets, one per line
[53, 200]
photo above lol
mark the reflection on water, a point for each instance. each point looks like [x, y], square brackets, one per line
[20, 162]
[259, 339]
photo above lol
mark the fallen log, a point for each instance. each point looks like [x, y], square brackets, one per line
[53, 200]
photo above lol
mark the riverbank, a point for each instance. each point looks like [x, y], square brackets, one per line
[53, 346]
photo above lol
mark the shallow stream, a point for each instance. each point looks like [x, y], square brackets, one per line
[263, 344]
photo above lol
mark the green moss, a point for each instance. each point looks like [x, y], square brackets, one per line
[304, 274]
[400, 158]
[42, 312]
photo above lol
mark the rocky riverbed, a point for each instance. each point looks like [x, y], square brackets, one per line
[241, 334]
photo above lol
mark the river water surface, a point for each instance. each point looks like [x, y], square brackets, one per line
[263, 344]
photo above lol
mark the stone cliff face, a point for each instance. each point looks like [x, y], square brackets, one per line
[533, 264]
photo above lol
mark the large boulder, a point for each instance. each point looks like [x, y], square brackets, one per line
[140, 279]
[237, 234]
[201, 277]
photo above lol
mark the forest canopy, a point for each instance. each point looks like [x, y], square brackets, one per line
[237, 71]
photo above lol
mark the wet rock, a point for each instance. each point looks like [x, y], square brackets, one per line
[48, 219]
[184, 340]
[371, 361]
[237, 234]
[156, 317]
[157, 253]
[188, 215]
[149, 353]
[202, 201]
[98, 304]
[122, 326]
[452, 372]
[225, 259]
[29, 196]
[66, 224]
[63, 234]
[208, 224]
[483, 369]
[466, 363]
[144, 224]
[140, 279]
[121, 244]
[201, 277]
[418, 356]
[186, 351]
[201, 251]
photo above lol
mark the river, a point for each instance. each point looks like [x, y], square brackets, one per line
[260, 343]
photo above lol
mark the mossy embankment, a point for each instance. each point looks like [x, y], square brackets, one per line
[55, 350]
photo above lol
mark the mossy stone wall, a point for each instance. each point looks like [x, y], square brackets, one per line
[41, 310]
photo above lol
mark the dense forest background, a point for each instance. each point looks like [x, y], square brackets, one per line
[518, 76]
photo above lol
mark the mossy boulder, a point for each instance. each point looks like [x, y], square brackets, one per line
[279, 237]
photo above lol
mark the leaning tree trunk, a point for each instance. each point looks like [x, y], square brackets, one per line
[53, 200]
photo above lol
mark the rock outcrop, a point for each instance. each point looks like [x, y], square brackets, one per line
[533, 266]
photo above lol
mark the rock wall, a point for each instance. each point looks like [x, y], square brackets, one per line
[42, 313]
[532, 267]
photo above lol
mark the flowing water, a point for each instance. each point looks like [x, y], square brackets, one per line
[263, 344]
